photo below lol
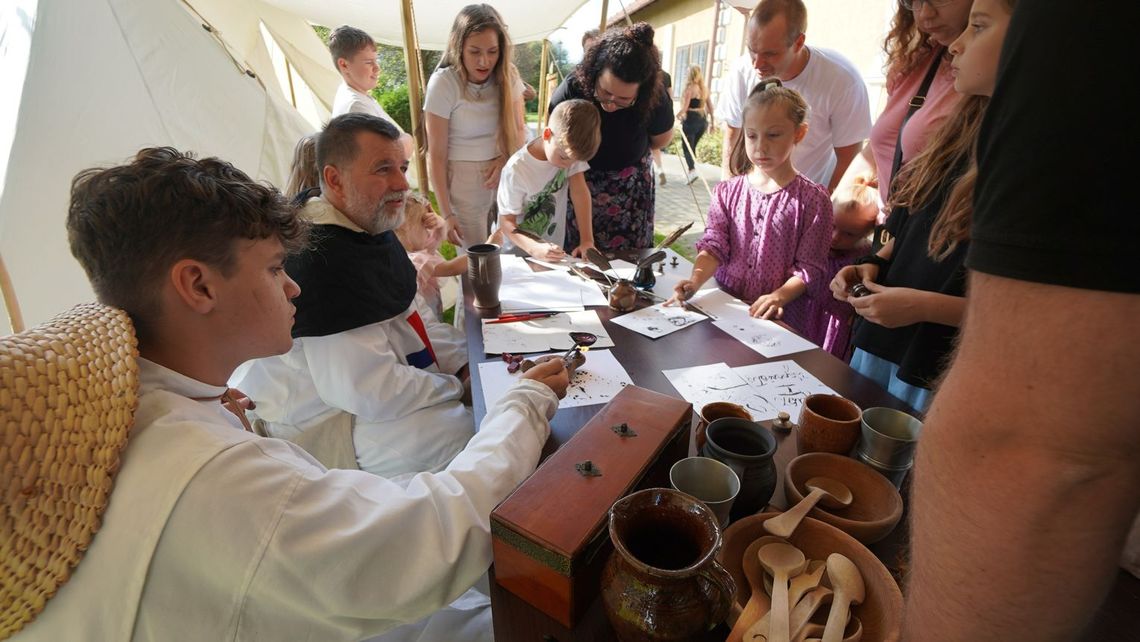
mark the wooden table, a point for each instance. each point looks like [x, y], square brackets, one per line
[701, 344]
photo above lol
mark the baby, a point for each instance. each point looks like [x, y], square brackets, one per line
[421, 233]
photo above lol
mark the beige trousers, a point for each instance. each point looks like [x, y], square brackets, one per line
[472, 204]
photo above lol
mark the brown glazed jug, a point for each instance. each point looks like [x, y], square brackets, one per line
[485, 273]
[662, 581]
[623, 296]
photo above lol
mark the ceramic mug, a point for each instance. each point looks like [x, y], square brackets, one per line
[747, 448]
[709, 481]
[485, 273]
[710, 412]
[828, 424]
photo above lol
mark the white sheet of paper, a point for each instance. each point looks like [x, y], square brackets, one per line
[779, 386]
[765, 337]
[554, 290]
[700, 385]
[657, 320]
[596, 382]
[540, 335]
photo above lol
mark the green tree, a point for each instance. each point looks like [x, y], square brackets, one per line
[528, 59]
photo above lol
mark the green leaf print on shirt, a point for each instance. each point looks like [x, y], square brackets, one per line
[539, 212]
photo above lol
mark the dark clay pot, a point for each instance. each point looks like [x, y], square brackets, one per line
[747, 448]
[662, 581]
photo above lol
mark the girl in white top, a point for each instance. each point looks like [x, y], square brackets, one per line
[472, 110]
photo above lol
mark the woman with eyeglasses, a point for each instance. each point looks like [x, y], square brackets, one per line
[917, 66]
[621, 74]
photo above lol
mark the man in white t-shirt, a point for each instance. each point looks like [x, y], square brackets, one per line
[839, 119]
[536, 179]
[354, 55]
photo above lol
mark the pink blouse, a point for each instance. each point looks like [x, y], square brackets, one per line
[941, 99]
[761, 240]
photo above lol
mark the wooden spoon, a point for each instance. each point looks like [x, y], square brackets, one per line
[782, 561]
[758, 603]
[813, 631]
[800, 618]
[848, 586]
[802, 583]
[825, 490]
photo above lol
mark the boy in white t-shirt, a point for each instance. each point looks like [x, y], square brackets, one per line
[535, 181]
[354, 55]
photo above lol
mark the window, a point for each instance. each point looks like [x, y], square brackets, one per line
[687, 56]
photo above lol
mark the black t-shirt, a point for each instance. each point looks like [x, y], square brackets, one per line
[1057, 154]
[625, 134]
[920, 350]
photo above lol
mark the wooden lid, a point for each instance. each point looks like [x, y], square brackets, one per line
[560, 509]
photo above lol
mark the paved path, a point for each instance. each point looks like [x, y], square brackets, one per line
[675, 200]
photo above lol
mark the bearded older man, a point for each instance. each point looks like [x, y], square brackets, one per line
[371, 382]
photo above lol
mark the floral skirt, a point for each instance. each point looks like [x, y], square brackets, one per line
[623, 202]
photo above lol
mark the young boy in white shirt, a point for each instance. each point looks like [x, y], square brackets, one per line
[535, 181]
[354, 56]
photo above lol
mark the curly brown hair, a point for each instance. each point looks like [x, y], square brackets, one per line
[127, 225]
[630, 55]
[905, 46]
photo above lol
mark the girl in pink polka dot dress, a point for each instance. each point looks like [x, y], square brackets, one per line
[769, 227]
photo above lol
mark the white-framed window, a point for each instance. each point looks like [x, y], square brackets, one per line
[686, 56]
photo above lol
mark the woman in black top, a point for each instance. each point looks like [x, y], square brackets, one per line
[694, 115]
[621, 74]
[917, 280]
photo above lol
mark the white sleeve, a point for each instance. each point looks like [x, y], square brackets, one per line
[442, 94]
[511, 196]
[730, 106]
[345, 554]
[359, 371]
[577, 168]
[850, 111]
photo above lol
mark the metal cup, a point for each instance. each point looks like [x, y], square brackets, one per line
[485, 273]
[888, 439]
[710, 481]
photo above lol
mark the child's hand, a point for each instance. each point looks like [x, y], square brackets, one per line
[890, 307]
[850, 275]
[683, 291]
[768, 306]
[454, 236]
[580, 251]
[548, 252]
[551, 371]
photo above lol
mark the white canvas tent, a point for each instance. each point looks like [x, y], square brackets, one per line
[87, 83]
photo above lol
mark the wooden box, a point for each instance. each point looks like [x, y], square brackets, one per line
[550, 537]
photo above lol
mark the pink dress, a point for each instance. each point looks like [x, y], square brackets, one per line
[941, 99]
[830, 318]
[761, 240]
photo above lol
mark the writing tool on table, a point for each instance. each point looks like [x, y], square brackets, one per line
[511, 318]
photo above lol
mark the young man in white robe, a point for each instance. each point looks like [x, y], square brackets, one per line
[366, 362]
[215, 533]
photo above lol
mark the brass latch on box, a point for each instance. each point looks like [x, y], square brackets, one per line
[623, 430]
[587, 469]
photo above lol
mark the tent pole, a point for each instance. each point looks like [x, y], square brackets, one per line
[15, 317]
[289, 74]
[543, 95]
[605, 10]
[415, 91]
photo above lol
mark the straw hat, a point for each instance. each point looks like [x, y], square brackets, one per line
[68, 393]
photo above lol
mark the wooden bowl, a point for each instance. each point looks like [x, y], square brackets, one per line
[876, 505]
[880, 613]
